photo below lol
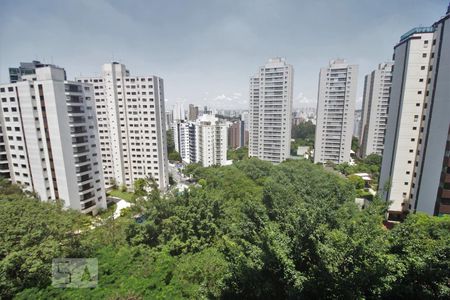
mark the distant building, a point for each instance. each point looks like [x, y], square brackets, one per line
[236, 135]
[245, 116]
[204, 140]
[185, 138]
[132, 127]
[270, 111]
[178, 112]
[357, 123]
[377, 86]
[407, 102]
[50, 139]
[335, 112]
[27, 68]
[193, 112]
[169, 119]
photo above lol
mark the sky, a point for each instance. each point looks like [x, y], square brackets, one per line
[206, 50]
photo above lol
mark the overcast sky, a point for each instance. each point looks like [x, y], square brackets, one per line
[206, 50]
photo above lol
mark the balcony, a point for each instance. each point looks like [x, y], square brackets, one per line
[75, 110]
[77, 120]
[85, 187]
[83, 169]
[80, 150]
[78, 130]
[74, 99]
[84, 178]
[82, 160]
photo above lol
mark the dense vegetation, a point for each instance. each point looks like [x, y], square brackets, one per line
[172, 153]
[247, 231]
[303, 135]
[237, 154]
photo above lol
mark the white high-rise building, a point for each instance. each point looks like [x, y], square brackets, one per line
[50, 139]
[335, 112]
[212, 141]
[406, 104]
[132, 126]
[271, 111]
[205, 140]
[377, 85]
[185, 140]
[178, 111]
[431, 179]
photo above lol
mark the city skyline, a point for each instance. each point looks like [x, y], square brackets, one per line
[215, 73]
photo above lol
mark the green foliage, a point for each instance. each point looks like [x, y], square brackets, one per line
[250, 230]
[355, 144]
[172, 153]
[174, 156]
[123, 188]
[304, 135]
[32, 233]
[170, 141]
[238, 154]
[122, 195]
[140, 186]
[305, 131]
[371, 165]
[357, 181]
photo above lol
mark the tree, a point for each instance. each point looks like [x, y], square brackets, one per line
[357, 181]
[174, 156]
[251, 230]
[355, 144]
[170, 141]
[32, 233]
[238, 154]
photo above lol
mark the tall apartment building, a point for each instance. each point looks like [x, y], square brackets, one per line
[169, 119]
[212, 141]
[335, 112]
[431, 178]
[271, 111]
[406, 104]
[377, 86]
[202, 141]
[193, 112]
[27, 68]
[236, 135]
[50, 139]
[178, 112]
[132, 127]
[185, 140]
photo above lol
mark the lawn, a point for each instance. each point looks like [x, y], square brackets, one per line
[122, 195]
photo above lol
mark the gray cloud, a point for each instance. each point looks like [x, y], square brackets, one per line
[213, 46]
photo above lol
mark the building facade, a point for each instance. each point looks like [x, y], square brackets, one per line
[203, 141]
[377, 86]
[27, 68]
[270, 111]
[236, 135]
[431, 178]
[193, 112]
[406, 104]
[185, 140]
[132, 127]
[335, 112]
[50, 139]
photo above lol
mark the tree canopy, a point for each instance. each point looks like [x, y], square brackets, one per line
[250, 230]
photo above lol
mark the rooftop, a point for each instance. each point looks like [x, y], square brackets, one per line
[416, 30]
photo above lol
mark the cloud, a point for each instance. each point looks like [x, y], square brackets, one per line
[302, 100]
